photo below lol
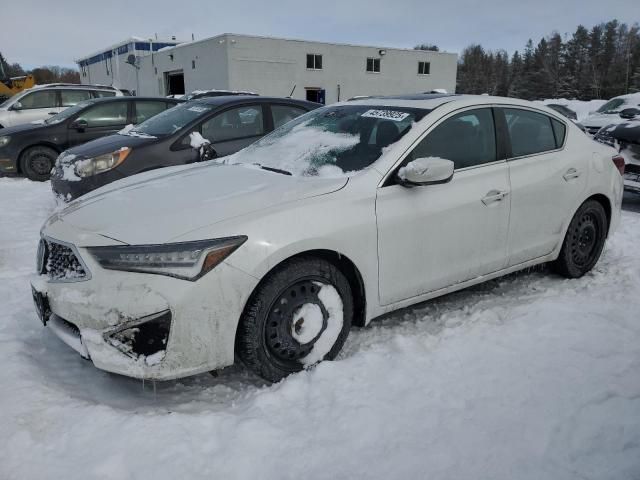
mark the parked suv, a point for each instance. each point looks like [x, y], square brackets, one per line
[191, 132]
[33, 148]
[38, 103]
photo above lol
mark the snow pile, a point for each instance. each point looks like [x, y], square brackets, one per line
[582, 108]
[529, 377]
[196, 140]
[67, 165]
[304, 151]
[130, 131]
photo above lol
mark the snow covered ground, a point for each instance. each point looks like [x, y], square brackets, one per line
[529, 377]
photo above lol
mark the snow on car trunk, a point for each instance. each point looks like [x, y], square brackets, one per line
[527, 377]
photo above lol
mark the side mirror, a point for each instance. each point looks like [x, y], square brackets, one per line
[207, 152]
[425, 171]
[17, 106]
[629, 113]
[80, 125]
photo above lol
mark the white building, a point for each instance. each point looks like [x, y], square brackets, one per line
[317, 71]
[109, 66]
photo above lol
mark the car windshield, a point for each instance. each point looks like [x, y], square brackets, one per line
[63, 115]
[331, 141]
[171, 120]
[612, 106]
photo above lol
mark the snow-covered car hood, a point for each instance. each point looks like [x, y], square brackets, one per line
[161, 205]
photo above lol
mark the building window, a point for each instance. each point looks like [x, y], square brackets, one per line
[193, 64]
[424, 68]
[314, 61]
[373, 65]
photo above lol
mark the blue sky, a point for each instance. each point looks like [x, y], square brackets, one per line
[40, 32]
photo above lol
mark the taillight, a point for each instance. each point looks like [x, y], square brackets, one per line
[618, 161]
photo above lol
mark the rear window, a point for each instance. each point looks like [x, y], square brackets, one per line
[530, 132]
[559, 131]
[104, 93]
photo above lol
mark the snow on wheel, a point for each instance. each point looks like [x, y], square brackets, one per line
[584, 240]
[298, 316]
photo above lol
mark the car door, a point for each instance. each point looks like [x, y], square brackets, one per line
[235, 128]
[69, 98]
[546, 182]
[35, 106]
[434, 236]
[98, 120]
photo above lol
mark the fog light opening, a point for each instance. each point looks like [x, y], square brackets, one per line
[145, 338]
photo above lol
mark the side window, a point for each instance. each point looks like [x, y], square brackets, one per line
[468, 139]
[559, 131]
[284, 113]
[106, 115]
[43, 99]
[72, 97]
[104, 93]
[234, 123]
[530, 132]
[145, 110]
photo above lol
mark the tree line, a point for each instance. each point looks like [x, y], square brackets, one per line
[602, 62]
[42, 75]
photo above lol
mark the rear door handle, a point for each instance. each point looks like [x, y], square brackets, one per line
[571, 174]
[494, 196]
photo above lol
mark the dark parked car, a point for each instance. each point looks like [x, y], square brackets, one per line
[191, 132]
[563, 110]
[32, 149]
[626, 138]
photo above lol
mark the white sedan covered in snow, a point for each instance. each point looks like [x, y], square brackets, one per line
[342, 215]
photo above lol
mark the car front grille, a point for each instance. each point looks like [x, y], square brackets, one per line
[60, 262]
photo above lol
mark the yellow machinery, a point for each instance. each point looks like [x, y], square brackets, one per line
[11, 86]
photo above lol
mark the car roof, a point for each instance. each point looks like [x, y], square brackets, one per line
[126, 99]
[232, 99]
[431, 101]
[82, 86]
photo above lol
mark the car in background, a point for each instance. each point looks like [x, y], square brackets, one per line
[338, 217]
[564, 110]
[608, 113]
[40, 102]
[32, 149]
[191, 132]
[214, 93]
[625, 137]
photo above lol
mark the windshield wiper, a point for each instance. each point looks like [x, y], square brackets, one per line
[277, 170]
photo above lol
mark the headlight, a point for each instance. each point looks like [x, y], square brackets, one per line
[101, 163]
[4, 141]
[185, 260]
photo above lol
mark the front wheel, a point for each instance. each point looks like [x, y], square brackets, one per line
[298, 316]
[584, 241]
[37, 163]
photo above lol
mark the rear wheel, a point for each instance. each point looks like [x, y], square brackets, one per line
[298, 316]
[584, 241]
[37, 162]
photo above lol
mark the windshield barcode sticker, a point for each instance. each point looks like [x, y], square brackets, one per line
[386, 115]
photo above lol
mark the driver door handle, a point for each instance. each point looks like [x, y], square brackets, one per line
[494, 196]
[571, 174]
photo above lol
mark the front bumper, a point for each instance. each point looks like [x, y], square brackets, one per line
[71, 189]
[203, 317]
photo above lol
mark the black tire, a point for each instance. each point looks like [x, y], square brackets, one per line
[584, 240]
[36, 163]
[267, 338]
